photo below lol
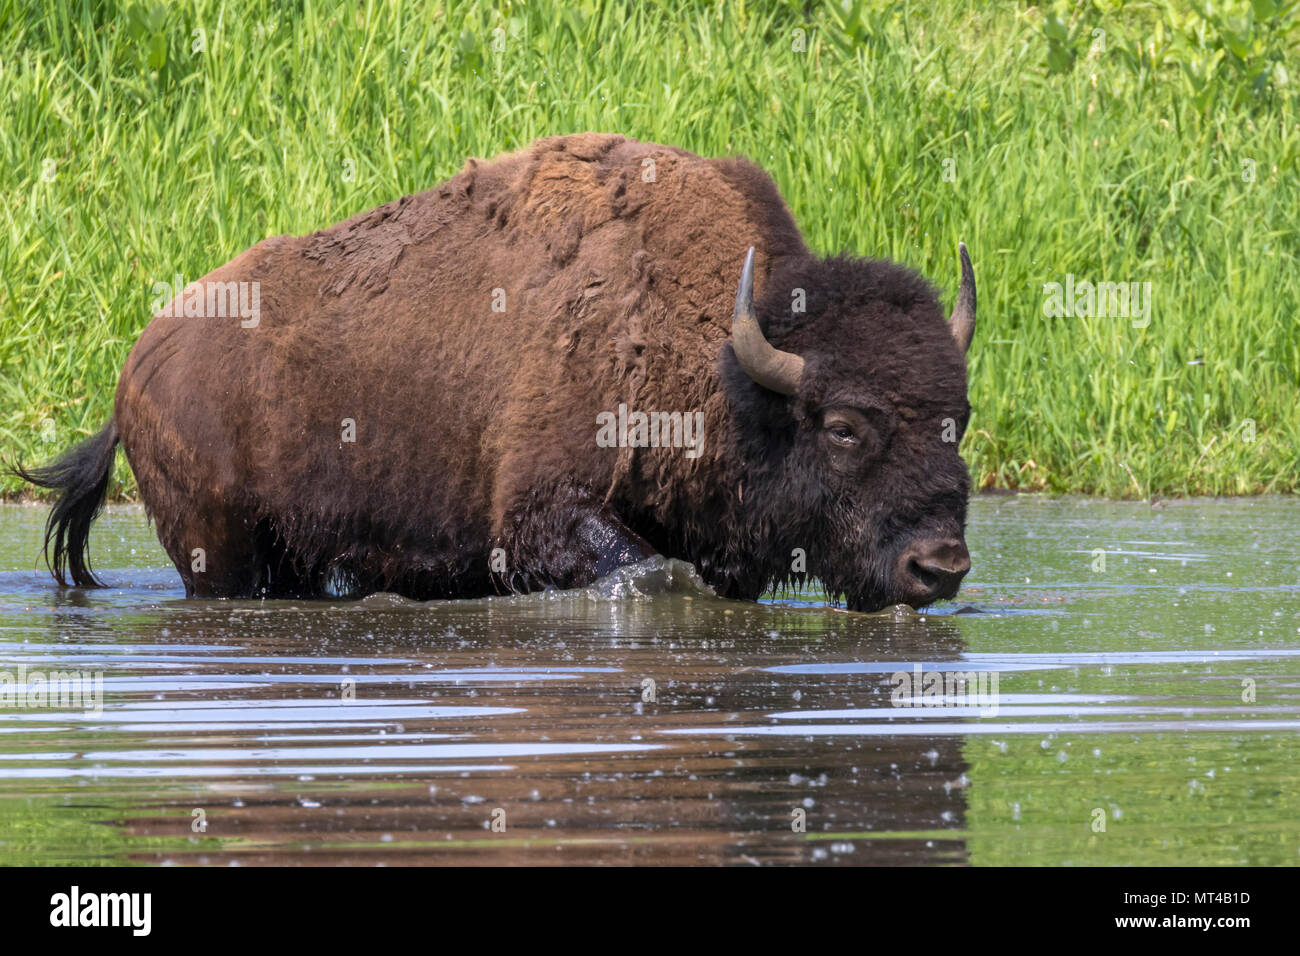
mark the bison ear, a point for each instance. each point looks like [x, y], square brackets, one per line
[763, 362]
[962, 322]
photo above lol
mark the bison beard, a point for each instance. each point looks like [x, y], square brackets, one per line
[416, 408]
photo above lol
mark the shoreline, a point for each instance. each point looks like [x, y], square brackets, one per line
[1154, 501]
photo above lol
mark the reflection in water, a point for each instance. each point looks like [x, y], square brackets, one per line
[644, 720]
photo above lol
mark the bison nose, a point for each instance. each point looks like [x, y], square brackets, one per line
[932, 569]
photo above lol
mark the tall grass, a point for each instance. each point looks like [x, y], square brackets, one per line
[892, 129]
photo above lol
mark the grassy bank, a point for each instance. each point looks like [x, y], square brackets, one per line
[141, 143]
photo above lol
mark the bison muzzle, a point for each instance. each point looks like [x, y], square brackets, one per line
[485, 387]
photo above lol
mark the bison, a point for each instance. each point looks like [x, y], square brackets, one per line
[555, 363]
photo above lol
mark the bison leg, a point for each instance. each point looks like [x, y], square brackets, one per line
[566, 539]
[223, 555]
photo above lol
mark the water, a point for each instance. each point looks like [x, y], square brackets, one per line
[1146, 712]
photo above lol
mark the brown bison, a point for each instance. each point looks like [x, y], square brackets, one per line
[534, 373]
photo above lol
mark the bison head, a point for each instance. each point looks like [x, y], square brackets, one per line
[848, 432]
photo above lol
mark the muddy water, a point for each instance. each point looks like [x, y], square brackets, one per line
[1132, 696]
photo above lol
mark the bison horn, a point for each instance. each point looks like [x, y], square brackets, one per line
[962, 322]
[765, 364]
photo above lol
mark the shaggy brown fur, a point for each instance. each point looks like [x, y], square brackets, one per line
[475, 429]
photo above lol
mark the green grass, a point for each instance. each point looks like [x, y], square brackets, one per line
[1124, 166]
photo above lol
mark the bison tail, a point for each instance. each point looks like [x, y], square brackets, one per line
[81, 475]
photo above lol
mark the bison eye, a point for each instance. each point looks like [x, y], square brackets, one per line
[851, 435]
[842, 435]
